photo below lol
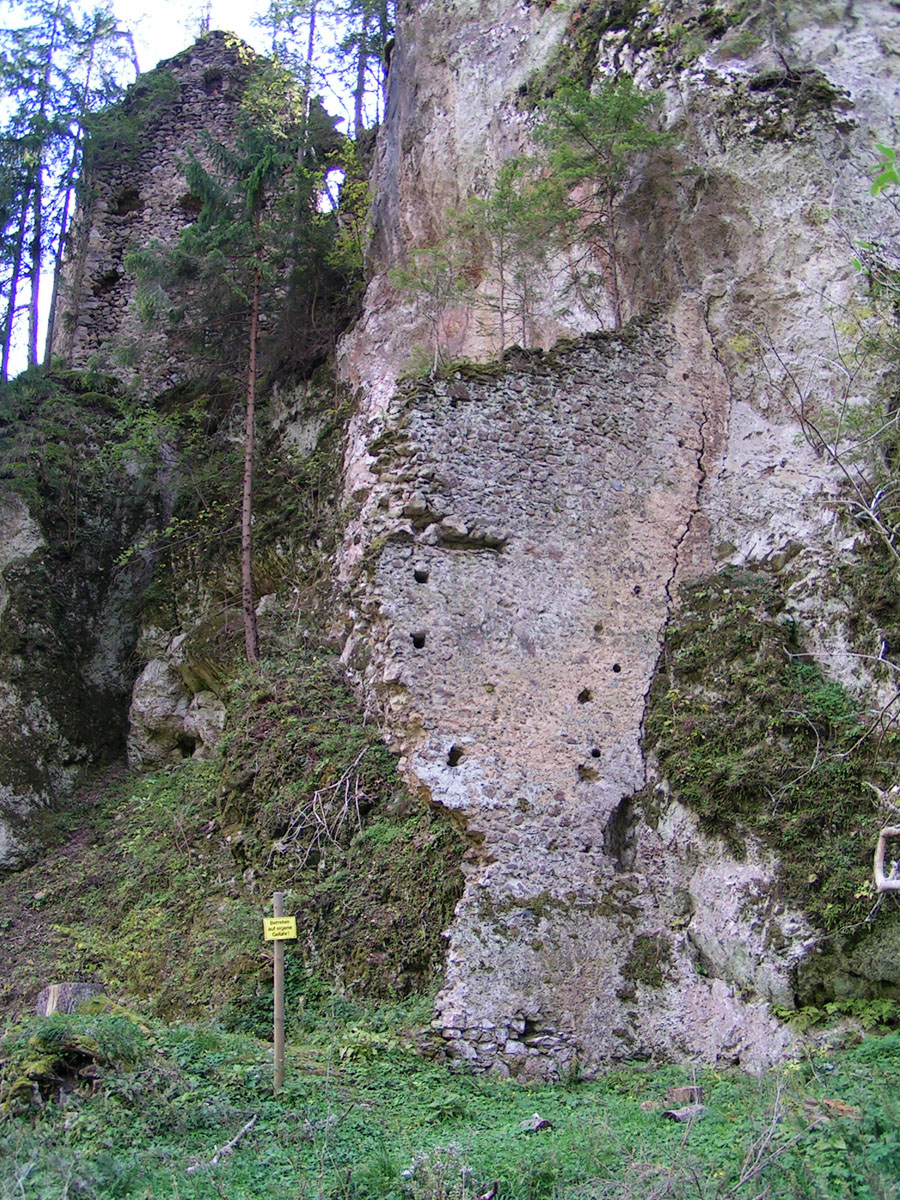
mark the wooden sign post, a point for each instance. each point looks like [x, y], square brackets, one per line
[275, 929]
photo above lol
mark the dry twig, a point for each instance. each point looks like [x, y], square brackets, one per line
[322, 821]
[225, 1150]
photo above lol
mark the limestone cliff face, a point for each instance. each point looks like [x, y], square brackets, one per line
[522, 531]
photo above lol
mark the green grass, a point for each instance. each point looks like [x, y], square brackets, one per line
[386, 1122]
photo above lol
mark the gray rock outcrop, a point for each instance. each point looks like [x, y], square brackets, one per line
[522, 533]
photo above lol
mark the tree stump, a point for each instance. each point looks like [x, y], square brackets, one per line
[65, 997]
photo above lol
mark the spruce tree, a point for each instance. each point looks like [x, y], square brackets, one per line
[597, 144]
[510, 231]
[257, 238]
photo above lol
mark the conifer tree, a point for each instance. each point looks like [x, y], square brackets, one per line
[56, 66]
[319, 38]
[242, 257]
[513, 227]
[435, 277]
[597, 144]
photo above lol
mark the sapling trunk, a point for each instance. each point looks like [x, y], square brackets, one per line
[251, 629]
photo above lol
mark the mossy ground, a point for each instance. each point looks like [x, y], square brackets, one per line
[160, 890]
[753, 737]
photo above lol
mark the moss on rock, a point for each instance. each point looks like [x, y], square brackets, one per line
[753, 737]
[70, 455]
[647, 961]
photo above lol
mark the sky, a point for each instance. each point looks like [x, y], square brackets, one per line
[163, 27]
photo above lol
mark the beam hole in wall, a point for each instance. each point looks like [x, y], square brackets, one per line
[127, 201]
[595, 753]
[106, 282]
[585, 695]
[636, 589]
[213, 82]
[616, 668]
[456, 753]
[420, 575]
[532, 1029]
[190, 204]
[418, 639]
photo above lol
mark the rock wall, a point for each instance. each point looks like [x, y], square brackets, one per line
[522, 529]
[74, 564]
[533, 522]
[133, 193]
[519, 530]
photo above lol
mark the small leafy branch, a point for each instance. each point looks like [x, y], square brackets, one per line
[512, 231]
[887, 173]
[434, 277]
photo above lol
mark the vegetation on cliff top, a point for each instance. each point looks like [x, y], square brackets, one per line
[568, 198]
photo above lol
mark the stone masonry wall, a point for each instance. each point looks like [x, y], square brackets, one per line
[533, 521]
[136, 193]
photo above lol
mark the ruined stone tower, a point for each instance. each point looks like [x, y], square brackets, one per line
[134, 192]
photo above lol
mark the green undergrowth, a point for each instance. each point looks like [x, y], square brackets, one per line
[160, 894]
[98, 1107]
[296, 504]
[310, 795]
[753, 737]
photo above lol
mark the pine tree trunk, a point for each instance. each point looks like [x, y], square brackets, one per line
[501, 271]
[307, 66]
[14, 284]
[614, 287]
[307, 81]
[37, 240]
[362, 60]
[71, 176]
[251, 630]
[612, 257]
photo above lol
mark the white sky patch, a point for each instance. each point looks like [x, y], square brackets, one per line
[165, 27]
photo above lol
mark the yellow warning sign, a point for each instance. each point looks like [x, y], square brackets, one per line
[277, 929]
